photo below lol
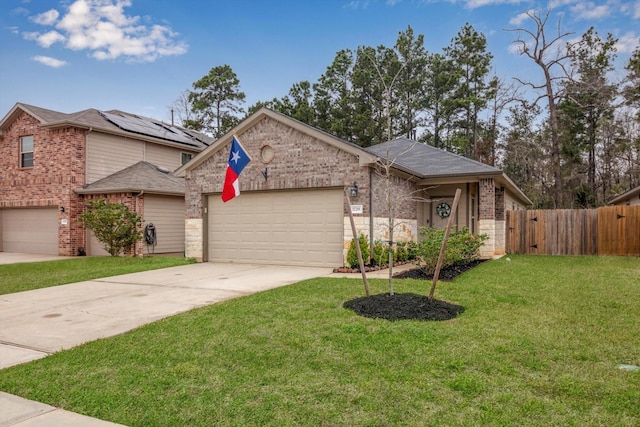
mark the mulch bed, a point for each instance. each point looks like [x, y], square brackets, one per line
[446, 274]
[403, 307]
[409, 306]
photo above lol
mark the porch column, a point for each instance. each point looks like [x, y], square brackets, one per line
[487, 216]
[501, 242]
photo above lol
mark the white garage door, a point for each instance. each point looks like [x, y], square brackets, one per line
[30, 230]
[281, 227]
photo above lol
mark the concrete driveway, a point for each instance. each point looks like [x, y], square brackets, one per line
[36, 323]
[15, 257]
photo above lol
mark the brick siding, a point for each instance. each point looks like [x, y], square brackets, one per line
[300, 162]
[58, 168]
[487, 203]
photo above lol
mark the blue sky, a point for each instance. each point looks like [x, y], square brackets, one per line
[140, 55]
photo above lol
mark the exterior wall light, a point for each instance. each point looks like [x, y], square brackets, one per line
[353, 190]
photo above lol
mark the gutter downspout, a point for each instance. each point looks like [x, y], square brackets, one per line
[370, 215]
[135, 247]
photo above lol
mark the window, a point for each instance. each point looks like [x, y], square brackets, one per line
[26, 151]
[186, 157]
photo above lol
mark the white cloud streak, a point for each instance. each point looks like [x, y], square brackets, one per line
[46, 18]
[589, 11]
[102, 28]
[628, 42]
[49, 61]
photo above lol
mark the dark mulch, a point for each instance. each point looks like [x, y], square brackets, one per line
[446, 274]
[403, 307]
[411, 306]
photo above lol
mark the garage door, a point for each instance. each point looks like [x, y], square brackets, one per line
[167, 215]
[283, 227]
[30, 230]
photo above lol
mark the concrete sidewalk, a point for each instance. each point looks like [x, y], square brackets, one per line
[34, 324]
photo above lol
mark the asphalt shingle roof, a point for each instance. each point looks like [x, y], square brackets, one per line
[142, 176]
[426, 161]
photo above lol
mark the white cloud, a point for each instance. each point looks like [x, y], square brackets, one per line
[519, 19]
[49, 61]
[590, 11]
[636, 10]
[47, 18]
[627, 43]
[49, 38]
[474, 4]
[104, 29]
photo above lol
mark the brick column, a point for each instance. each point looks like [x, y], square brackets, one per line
[500, 231]
[487, 216]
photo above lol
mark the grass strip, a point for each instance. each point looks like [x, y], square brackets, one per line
[35, 275]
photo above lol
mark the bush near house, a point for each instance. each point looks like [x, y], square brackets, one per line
[352, 254]
[403, 252]
[462, 247]
[113, 224]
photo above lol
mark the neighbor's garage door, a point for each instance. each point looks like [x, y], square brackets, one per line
[30, 230]
[280, 227]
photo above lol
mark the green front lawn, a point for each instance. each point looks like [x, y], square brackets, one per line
[35, 275]
[538, 345]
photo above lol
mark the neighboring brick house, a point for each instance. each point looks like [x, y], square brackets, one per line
[292, 208]
[48, 161]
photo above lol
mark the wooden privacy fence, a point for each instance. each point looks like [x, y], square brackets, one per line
[611, 230]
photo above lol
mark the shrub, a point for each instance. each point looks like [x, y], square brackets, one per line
[402, 251]
[380, 252]
[462, 247]
[113, 224]
[352, 254]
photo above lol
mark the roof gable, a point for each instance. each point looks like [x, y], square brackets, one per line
[142, 176]
[364, 157]
[626, 196]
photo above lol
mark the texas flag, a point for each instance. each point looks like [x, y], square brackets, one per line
[238, 159]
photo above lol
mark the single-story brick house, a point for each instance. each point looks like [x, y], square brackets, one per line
[52, 162]
[292, 208]
[629, 198]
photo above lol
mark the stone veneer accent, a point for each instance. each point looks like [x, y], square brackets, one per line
[193, 235]
[487, 227]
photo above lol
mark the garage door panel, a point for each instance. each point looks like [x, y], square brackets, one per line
[30, 230]
[289, 227]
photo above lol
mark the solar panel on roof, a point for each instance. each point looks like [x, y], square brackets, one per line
[149, 128]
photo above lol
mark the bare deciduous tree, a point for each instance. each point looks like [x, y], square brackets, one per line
[549, 55]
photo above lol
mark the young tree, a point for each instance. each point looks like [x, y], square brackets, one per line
[114, 225]
[216, 101]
